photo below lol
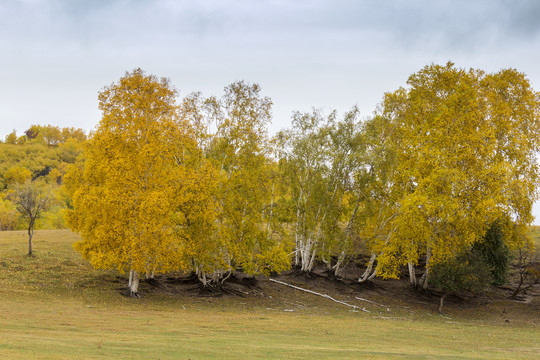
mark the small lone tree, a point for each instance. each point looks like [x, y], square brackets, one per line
[31, 199]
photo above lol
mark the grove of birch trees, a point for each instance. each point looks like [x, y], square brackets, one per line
[198, 185]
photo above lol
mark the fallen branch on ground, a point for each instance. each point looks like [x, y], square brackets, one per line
[372, 302]
[318, 294]
[393, 317]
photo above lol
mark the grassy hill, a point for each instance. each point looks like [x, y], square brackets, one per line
[54, 306]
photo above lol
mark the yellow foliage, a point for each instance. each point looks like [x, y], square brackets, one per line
[465, 145]
[17, 175]
[8, 215]
[132, 180]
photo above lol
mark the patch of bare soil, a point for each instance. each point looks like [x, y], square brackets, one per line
[237, 284]
[319, 291]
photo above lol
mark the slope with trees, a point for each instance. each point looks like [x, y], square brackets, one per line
[41, 155]
[445, 168]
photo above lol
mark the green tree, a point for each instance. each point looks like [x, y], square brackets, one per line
[495, 252]
[466, 272]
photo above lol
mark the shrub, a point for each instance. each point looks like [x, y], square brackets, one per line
[495, 253]
[466, 272]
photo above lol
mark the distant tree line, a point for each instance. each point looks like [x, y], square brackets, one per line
[32, 167]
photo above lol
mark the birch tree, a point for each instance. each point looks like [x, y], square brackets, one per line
[373, 195]
[134, 180]
[231, 131]
[466, 145]
[318, 160]
[346, 151]
[304, 162]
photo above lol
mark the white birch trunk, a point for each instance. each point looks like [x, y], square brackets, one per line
[298, 244]
[412, 274]
[296, 251]
[424, 280]
[372, 276]
[271, 213]
[150, 274]
[215, 277]
[202, 277]
[366, 275]
[337, 267]
[441, 302]
[134, 283]
[312, 260]
[305, 250]
[130, 278]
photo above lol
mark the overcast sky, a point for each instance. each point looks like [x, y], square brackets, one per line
[55, 55]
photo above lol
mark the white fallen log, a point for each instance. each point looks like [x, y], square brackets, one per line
[318, 294]
[372, 302]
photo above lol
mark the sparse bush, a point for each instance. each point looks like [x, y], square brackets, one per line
[528, 268]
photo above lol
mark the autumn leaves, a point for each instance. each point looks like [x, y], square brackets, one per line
[175, 188]
[198, 185]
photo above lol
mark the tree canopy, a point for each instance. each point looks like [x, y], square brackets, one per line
[465, 144]
[158, 192]
[133, 178]
[446, 166]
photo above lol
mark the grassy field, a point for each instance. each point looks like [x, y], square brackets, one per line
[54, 306]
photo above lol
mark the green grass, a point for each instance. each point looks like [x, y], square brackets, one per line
[54, 306]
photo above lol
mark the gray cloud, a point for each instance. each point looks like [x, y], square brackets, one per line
[310, 50]
[410, 25]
